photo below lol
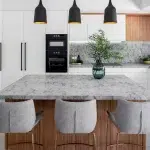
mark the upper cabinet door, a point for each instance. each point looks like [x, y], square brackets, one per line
[34, 37]
[57, 22]
[78, 32]
[114, 32]
[11, 45]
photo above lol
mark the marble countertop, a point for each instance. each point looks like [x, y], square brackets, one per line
[51, 87]
[128, 65]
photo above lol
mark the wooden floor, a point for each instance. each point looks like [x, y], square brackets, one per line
[45, 132]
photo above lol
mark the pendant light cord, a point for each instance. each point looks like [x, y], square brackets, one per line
[40, 2]
[74, 3]
[110, 3]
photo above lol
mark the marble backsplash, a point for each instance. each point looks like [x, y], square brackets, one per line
[132, 51]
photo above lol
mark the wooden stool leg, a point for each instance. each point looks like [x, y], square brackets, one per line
[94, 140]
[33, 141]
[56, 141]
[117, 141]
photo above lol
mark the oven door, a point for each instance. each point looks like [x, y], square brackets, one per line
[56, 64]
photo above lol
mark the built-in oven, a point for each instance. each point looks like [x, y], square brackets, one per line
[56, 53]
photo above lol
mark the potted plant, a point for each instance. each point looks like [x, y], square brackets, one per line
[100, 50]
[146, 60]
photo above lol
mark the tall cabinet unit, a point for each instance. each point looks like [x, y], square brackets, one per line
[1, 29]
[12, 48]
[34, 45]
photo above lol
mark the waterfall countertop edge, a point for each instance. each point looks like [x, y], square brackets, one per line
[82, 87]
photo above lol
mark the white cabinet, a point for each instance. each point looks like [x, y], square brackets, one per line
[78, 32]
[1, 15]
[57, 22]
[92, 23]
[34, 37]
[11, 45]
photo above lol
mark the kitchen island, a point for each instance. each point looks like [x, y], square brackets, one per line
[45, 89]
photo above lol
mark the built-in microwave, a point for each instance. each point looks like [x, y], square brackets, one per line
[56, 41]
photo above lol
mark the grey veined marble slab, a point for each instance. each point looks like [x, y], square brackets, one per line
[50, 87]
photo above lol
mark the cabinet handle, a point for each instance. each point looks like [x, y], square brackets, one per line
[25, 56]
[0, 56]
[21, 56]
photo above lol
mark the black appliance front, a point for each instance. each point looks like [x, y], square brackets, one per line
[56, 53]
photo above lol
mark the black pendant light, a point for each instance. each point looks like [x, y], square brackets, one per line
[74, 14]
[40, 16]
[110, 15]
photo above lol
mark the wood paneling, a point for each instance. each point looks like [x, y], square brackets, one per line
[45, 132]
[137, 28]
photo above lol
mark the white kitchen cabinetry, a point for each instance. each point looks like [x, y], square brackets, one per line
[57, 22]
[11, 47]
[92, 23]
[34, 37]
[1, 15]
[78, 32]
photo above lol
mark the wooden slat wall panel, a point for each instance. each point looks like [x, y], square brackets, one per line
[137, 28]
[45, 132]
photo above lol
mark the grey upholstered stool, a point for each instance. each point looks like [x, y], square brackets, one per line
[75, 117]
[19, 117]
[131, 118]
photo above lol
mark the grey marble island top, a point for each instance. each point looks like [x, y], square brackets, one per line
[51, 87]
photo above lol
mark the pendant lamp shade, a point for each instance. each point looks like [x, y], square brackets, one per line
[40, 16]
[110, 15]
[74, 14]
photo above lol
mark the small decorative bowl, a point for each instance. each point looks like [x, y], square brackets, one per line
[146, 62]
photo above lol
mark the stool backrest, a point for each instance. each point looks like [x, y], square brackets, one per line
[132, 117]
[75, 117]
[17, 117]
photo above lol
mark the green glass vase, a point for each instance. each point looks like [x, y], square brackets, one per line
[98, 71]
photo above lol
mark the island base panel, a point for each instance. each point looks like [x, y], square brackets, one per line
[45, 132]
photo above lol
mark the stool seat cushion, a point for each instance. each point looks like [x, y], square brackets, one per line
[17, 117]
[75, 117]
[132, 117]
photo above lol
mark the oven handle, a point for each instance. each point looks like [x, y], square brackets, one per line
[25, 56]
[21, 56]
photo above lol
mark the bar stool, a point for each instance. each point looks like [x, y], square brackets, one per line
[19, 117]
[130, 118]
[75, 117]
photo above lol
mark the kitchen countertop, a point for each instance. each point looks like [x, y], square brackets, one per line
[51, 87]
[128, 65]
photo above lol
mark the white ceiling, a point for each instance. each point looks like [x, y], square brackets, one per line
[122, 6]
